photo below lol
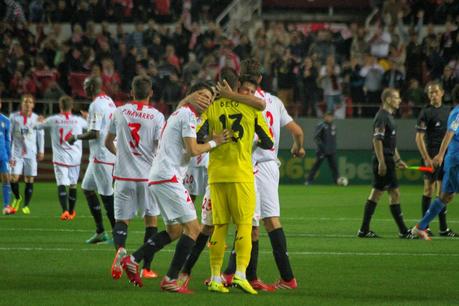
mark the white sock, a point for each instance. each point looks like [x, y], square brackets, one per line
[217, 279]
[240, 274]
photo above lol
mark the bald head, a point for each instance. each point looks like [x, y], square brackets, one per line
[92, 86]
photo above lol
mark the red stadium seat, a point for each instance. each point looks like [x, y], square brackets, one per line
[76, 80]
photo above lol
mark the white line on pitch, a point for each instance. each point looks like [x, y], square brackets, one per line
[305, 253]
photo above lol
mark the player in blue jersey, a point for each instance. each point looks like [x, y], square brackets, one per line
[450, 184]
[5, 154]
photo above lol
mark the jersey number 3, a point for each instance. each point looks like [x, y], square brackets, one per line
[135, 127]
[236, 127]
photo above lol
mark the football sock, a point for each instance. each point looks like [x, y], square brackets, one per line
[72, 199]
[434, 209]
[243, 246]
[425, 204]
[28, 191]
[368, 212]
[120, 232]
[109, 204]
[6, 188]
[252, 267]
[149, 233]
[62, 194]
[217, 248]
[397, 214]
[201, 242]
[94, 207]
[279, 245]
[153, 245]
[15, 190]
[182, 251]
[442, 220]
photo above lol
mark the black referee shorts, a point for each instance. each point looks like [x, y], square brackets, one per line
[388, 181]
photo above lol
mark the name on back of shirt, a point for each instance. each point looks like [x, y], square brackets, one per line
[229, 103]
[140, 115]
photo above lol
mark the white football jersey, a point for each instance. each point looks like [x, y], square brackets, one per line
[137, 128]
[201, 160]
[61, 127]
[172, 160]
[276, 116]
[26, 141]
[100, 114]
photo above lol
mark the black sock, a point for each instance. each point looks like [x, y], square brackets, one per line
[62, 193]
[425, 204]
[251, 271]
[279, 245]
[442, 219]
[94, 207]
[28, 191]
[15, 189]
[368, 212]
[182, 251]
[201, 242]
[396, 211]
[72, 199]
[152, 246]
[149, 233]
[109, 204]
[120, 232]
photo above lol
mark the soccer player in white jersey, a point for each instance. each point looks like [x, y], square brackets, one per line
[66, 157]
[196, 176]
[177, 145]
[98, 176]
[267, 182]
[136, 126]
[27, 146]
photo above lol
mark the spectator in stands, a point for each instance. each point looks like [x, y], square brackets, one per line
[283, 70]
[311, 92]
[373, 74]
[191, 69]
[393, 77]
[448, 80]
[356, 83]
[323, 46]
[414, 98]
[111, 80]
[331, 83]
[359, 46]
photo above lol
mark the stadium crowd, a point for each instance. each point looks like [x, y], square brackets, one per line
[312, 69]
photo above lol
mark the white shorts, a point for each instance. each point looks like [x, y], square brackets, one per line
[25, 166]
[66, 175]
[174, 202]
[196, 180]
[132, 197]
[98, 177]
[267, 186]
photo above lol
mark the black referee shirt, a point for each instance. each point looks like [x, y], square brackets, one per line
[384, 129]
[433, 121]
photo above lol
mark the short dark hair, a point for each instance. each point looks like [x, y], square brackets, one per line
[251, 66]
[387, 92]
[230, 75]
[141, 87]
[200, 85]
[433, 83]
[455, 94]
[66, 103]
[92, 85]
[249, 79]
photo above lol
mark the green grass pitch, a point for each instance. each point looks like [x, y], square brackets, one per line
[44, 261]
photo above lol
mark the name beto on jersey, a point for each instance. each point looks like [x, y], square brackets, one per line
[229, 103]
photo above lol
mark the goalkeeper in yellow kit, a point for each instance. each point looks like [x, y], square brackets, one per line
[231, 180]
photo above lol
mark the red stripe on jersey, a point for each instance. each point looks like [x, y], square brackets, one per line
[66, 114]
[140, 105]
[193, 110]
[260, 92]
[172, 180]
[130, 179]
[24, 117]
[101, 94]
[96, 161]
[64, 165]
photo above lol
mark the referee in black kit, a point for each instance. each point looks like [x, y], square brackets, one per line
[386, 158]
[325, 139]
[431, 128]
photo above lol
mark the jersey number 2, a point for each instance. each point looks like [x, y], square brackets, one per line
[135, 127]
[236, 127]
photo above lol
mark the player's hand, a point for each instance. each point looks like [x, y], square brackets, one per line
[221, 138]
[40, 156]
[382, 169]
[12, 162]
[437, 161]
[199, 100]
[402, 165]
[72, 139]
[84, 114]
[429, 162]
[297, 152]
[41, 119]
[224, 89]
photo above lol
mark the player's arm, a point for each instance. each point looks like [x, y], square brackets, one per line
[226, 92]
[7, 136]
[110, 142]
[378, 137]
[95, 116]
[197, 99]
[265, 140]
[421, 128]
[298, 139]
[438, 159]
[398, 160]
[193, 148]
[41, 144]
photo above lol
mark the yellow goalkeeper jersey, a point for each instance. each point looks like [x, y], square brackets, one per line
[232, 162]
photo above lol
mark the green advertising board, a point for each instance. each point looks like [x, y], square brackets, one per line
[353, 164]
